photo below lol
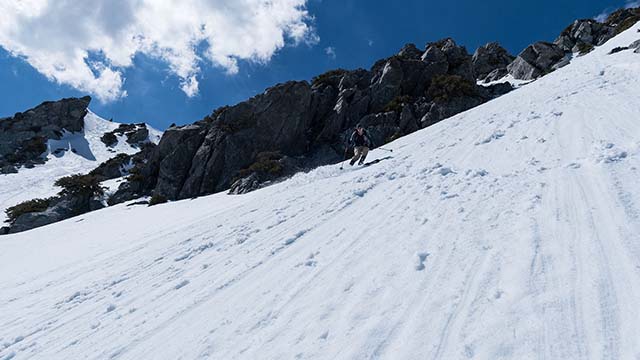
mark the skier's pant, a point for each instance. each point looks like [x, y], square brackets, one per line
[360, 153]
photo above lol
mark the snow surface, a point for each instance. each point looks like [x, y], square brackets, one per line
[511, 231]
[89, 152]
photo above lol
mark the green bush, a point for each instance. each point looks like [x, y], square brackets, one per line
[446, 87]
[14, 158]
[36, 145]
[584, 48]
[135, 175]
[623, 19]
[30, 206]
[627, 24]
[157, 199]
[266, 163]
[80, 185]
[327, 77]
[217, 112]
[396, 103]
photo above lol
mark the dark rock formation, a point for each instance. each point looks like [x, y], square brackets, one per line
[623, 19]
[137, 134]
[115, 167]
[618, 49]
[583, 35]
[496, 74]
[410, 51]
[536, 60]
[60, 208]
[580, 37]
[491, 59]
[23, 137]
[109, 139]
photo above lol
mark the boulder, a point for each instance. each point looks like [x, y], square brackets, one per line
[139, 135]
[536, 60]
[499, 89]
[583, 35]
[496, 74]
[109, 139]
[136, 134]
[246, 184]
[489, 58]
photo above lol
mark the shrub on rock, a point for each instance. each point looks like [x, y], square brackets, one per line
[29, 206]
[446, 87]
[80, 185]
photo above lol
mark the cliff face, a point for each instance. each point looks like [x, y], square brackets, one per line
[297, 125]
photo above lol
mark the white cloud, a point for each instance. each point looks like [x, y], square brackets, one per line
[605, 13]
[602, 16]
[87, 44]
[331, 52]
[632, 4]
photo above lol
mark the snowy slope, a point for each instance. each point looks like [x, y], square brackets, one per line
[90, 152]
[511, 231]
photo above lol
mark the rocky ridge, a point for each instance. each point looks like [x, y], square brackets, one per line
[23, 137]
[299, 125]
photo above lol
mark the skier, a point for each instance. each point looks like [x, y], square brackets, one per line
[361, 142]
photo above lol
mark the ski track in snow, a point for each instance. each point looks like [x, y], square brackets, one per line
[510, 231]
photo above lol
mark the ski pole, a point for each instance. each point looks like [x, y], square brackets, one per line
[389, 150]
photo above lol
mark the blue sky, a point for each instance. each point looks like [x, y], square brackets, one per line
[358, 32]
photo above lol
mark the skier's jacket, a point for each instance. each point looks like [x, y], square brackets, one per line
[360, 140]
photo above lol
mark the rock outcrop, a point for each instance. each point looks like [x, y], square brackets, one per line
[23, 137]
[581, 36]
[578, 38]
[536, 60]
[59, 208]
[298, 125]
[491, 59]
[136, 135]
[623, 19]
